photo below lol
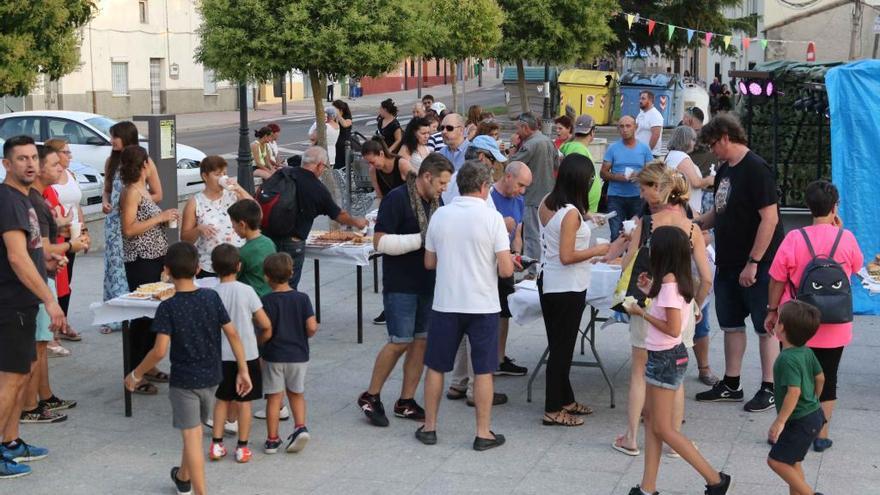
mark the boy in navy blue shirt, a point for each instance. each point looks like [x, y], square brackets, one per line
[190, 323]
[286, 354]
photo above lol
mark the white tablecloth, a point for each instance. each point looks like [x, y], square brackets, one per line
[124, 309]
[349, 254]
[525, 306]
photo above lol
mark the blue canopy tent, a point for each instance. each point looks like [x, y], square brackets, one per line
[855, 120]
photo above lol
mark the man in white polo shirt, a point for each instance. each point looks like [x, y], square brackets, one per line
[468, 245]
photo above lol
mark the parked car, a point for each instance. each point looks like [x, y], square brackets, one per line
[89, 138]
[90, 181]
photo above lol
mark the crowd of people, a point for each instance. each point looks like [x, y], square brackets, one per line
[459, 215]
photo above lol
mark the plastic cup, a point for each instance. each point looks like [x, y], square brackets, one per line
[172, 224]
[601, 240]
[627, 172]
[629, 226]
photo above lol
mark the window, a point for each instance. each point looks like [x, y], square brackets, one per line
[210, 83]
[119, 73]
[142, 10]
[16, 126]
[73, 132]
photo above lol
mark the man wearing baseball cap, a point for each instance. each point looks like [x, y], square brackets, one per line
[584, 128]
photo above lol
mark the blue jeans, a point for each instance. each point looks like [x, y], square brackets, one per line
[626, 208]
[297, 251]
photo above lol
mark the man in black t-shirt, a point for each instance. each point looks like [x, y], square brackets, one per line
[314, 200]
[22, 288]
[407, 286]
[747, 233]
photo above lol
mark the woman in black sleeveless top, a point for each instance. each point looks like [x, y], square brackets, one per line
[387, 170]
[343, 118]
[387, 125]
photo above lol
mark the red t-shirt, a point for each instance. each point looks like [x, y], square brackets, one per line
[62, 281]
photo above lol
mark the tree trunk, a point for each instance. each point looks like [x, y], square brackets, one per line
[521, 80]
[465, 72]
[452, 67]
[328, 178]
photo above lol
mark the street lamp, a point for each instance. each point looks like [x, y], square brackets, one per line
[245, 175]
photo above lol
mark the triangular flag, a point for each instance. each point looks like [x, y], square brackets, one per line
[746, 43]
[764, 44]
[726, 41]
[629, 20]
[690, 34]
[708, 38]
[671, 30]
[651, 24]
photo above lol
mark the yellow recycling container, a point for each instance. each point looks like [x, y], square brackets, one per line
[588, 92]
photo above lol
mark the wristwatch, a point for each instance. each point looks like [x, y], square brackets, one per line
[754, 261]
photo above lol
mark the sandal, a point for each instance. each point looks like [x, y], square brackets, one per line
[146, 388]
[56, 350]
[71, 335]
[562, 419]
[623, 449]
[707, 377]
[158, 377]
[579, 409]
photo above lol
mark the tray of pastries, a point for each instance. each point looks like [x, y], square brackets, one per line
[873, 269]
[158, 291]
[337, 238]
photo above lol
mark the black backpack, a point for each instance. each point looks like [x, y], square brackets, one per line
[825, 285]
[278, 201]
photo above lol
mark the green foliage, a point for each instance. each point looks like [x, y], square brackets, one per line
[684, 14]
[39, 37]
[555, 31]
[469, 29]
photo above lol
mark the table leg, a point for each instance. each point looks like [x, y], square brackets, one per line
[360, 304]
[126, 364]
[376, 275]
[317, 291]
[599, 363]
[538, 366]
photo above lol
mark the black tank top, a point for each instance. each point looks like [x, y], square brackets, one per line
[389, 181]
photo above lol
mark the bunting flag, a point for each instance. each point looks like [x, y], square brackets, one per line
[651, 24]
[709, 38]
[690, 34]
[726, 41]
[671, 29]
[764, 44]
[629, 20]
[746, 42]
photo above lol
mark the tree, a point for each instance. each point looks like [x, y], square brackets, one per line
[553, 32]
[465, 29]
[39, 38]
[686, 14]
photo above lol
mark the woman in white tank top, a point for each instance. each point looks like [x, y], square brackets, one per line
[680, 144]
[563, 282]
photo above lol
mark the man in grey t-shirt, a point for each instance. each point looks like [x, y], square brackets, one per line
[538, 152]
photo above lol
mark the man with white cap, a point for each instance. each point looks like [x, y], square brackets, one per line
[584, 128]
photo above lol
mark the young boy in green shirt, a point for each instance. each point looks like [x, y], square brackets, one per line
[798, 379]
[246, 215]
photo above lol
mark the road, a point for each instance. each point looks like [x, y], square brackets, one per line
[223, 141]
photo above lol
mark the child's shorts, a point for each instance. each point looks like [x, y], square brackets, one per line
[666, 369]
[793, 443]
[226, 389]
[191, 407]
[278, 377]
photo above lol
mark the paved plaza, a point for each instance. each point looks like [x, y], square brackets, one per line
[98, 450]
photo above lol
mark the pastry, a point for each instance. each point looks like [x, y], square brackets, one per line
[874, 269]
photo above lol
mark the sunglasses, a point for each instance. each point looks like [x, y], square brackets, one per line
[449, 128]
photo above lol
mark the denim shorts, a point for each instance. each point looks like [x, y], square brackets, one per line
[406, 316]
[798, 434]
[447, 330]
[734, 303]
[666, 369]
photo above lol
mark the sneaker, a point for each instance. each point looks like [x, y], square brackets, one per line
[720, 393]
[637, 490]
[183, 487]
[763, 400]
[231, 427]
[217, 451]
[55, 404]
[243, 454]
[57, 350]
[379, 320]
[373, 409]
[721, 488]
[497, 400]
[42, 415]
[24, 452]
[506, 367]
[10, 469]
[822, 444]
[298, 440]
[271, 446]
[409, 409]
[261, 414]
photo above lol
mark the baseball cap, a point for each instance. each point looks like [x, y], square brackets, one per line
[438, 107]
[488, 143]
[584, 124]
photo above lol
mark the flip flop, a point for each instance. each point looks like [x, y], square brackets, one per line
[160, 377]
[624, 450]
[72, 337]
[145, 389]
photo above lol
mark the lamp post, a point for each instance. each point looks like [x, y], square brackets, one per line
[245, 176]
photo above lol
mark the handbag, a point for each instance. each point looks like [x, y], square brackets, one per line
[627, 286]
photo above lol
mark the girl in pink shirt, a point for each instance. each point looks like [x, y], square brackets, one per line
[787, 269]
[670, 286]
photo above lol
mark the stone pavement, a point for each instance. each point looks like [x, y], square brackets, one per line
[98, 450]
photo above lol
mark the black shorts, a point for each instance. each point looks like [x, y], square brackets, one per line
[798, 434]
[18, 328]
[226, 390]
[505, 288]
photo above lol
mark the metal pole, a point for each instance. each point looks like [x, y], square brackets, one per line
[750, 114]
[348, 175]
[419, 81]
[819, 164]
[546, 116]
[876, 42]
[776, 135]
[245, 177]
[284, 94]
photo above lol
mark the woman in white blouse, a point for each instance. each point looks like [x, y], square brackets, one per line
[680, 144]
